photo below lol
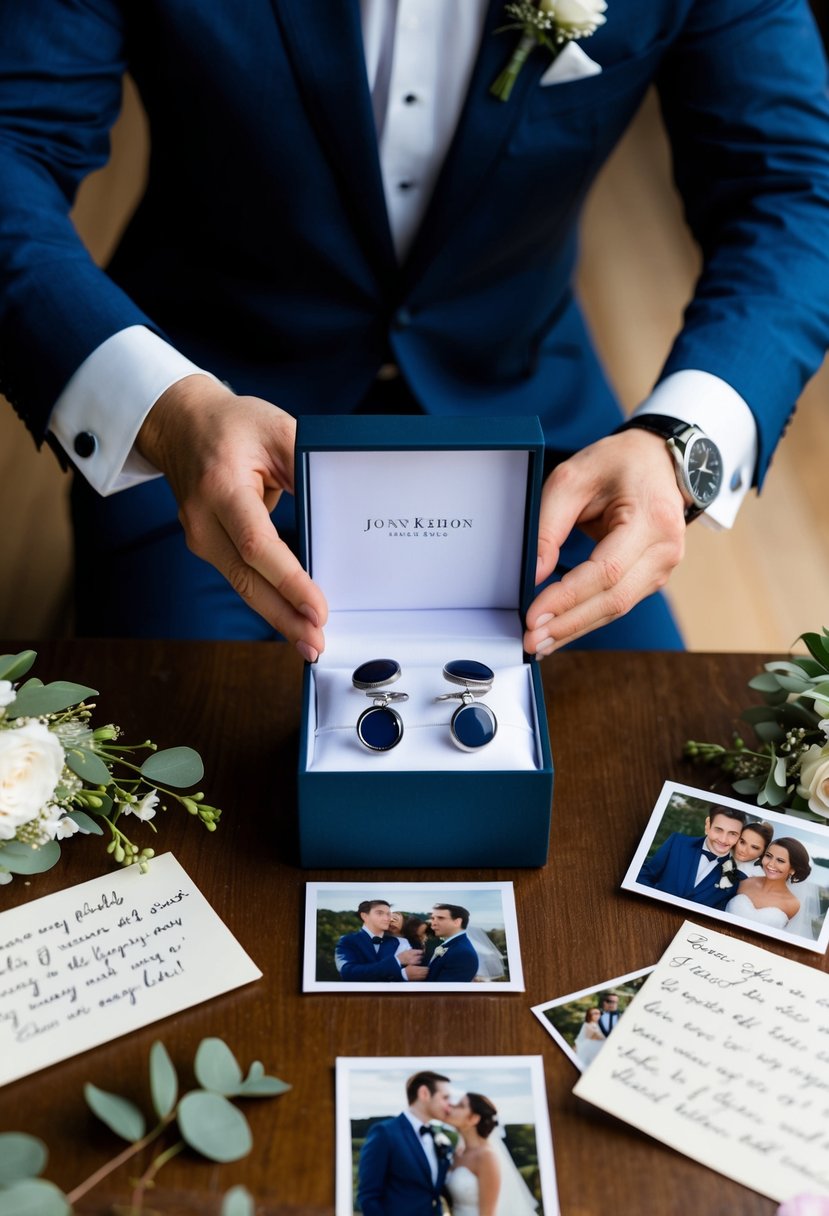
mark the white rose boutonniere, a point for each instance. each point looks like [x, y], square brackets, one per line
[548, 23]
[728, 873]
[438, 951]
[443, 1145]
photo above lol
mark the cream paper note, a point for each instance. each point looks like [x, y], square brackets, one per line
[88, 964]
[724, 1055]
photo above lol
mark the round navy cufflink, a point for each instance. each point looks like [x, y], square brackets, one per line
[473, 725]
[379, 728]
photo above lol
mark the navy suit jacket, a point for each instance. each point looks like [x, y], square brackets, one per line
[458, 965]
[673, 868]
[357, 959]
[262, 247]
[394, 1178]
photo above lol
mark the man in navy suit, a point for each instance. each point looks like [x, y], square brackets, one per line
[690, 867]
[455, 960]
[402, 1170]
[341, 217]
[610, 1014]
[372, 953]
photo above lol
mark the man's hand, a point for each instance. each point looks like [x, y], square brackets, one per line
[405, 957]
[228, 459]
[622, 491]
[416, 973]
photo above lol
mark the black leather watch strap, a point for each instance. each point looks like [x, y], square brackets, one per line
[660, 424]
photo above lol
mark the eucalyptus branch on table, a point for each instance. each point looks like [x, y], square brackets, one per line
[788, 766]
[61, 777]
[206, 1120]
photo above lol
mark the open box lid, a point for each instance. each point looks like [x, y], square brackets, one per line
[417, 513]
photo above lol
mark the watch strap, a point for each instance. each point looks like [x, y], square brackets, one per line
[660, 424]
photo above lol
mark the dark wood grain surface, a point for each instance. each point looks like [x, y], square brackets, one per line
[617, 724]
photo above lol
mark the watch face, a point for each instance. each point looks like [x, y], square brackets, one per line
[704, 469]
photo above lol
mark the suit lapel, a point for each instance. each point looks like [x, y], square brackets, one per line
[325, 43]
[415, 1149]
[484, 127]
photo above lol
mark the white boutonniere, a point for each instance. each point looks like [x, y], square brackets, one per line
[443, 1145]
[548, 23]
[728, 875]
[439, 951]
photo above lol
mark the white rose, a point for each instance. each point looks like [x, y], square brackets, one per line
[7, 693]
[577, 18]
[814, 779]
[31, 762]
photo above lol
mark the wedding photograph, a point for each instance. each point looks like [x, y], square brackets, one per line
[406, 937]
[582, 1022]
[747, 865]
[447, 1134]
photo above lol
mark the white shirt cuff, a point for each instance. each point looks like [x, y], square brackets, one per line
[100, 412]
[715, 407]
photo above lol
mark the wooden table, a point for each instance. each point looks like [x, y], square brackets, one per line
[617, 724]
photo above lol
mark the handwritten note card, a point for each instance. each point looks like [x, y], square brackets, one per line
[724, 1055]
[85, 965]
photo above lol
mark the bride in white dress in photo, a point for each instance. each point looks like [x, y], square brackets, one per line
[483, 1180]
[770, 900]
[589, 1040]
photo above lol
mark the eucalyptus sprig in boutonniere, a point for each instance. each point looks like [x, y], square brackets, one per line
[60, 776]
[548, 23]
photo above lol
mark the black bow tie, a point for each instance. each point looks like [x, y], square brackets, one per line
[712, 856]
[426, 1130]
[376, 941]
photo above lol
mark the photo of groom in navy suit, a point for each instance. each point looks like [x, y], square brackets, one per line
[372, 953]
[402, 1168]
[455, 960]
[690, 867]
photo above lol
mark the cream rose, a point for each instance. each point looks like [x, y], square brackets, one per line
[576, 18]
[814, 779]
[31, 762]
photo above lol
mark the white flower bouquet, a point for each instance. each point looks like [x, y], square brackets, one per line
[60, 776]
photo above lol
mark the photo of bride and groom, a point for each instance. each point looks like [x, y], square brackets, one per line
[770, 874]
[464, 1140]
[582, 1022]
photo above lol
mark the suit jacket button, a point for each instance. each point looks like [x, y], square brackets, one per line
[85, 443]
[402, 318]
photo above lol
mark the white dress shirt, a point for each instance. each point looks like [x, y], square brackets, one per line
[427, 1143]
[419, 60]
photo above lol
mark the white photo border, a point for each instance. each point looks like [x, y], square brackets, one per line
[348, 1067]
[794, 826]
[541, 1010]
[443, 892]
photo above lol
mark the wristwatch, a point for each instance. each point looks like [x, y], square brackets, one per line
[697, 459]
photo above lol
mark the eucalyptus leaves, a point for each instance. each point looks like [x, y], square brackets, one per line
[206, 1121]
[789, 767]
[60, 776]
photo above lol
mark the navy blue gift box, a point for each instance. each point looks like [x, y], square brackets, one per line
[421, 531]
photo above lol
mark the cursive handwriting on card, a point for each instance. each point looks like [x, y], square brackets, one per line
[85, 965]
[724, 1055]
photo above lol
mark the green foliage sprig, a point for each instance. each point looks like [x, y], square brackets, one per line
[204, 1118]
[60, 776]
[788, 766]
